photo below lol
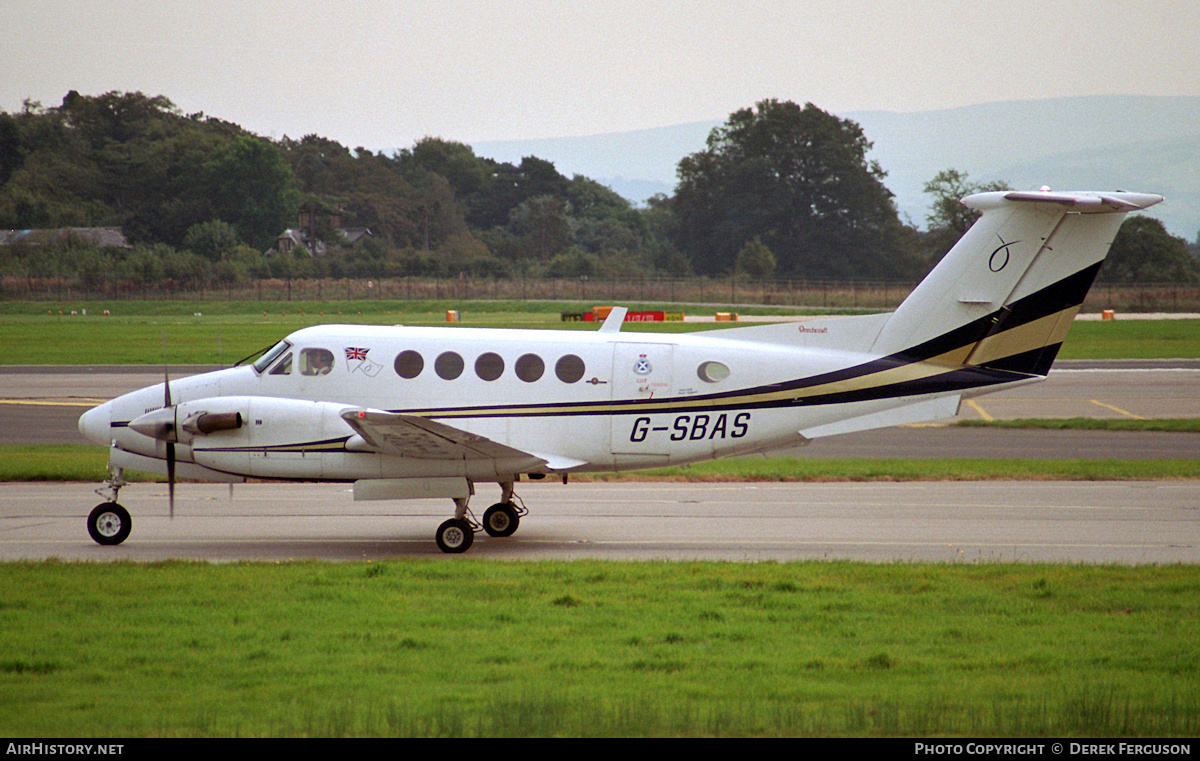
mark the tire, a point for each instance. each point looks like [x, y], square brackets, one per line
[500, 520]
[109, 524]
[454, 536]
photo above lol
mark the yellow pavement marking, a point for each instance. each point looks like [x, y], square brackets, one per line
[1116, 409]
[975, 406]
[55, 402]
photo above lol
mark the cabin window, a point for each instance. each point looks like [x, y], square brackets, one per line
[316, 361]
[530, 367]
[448, 365]
[712, 372]
[409, 364]
[283, 366]
[569, 368]
[489, 366]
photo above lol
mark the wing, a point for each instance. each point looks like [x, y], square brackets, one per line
[419, 438]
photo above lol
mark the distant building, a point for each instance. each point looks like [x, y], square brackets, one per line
[100, 237]
[289, 239]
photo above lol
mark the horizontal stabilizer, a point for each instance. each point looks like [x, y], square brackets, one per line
[1085, 203]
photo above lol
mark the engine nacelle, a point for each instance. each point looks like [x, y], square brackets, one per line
[262, 436]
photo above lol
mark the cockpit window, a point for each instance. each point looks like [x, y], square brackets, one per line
[283, 366]
[263, 362]
[316, 361]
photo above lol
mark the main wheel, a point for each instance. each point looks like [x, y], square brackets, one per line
[501, 520]
[455, 536]
[109, 523]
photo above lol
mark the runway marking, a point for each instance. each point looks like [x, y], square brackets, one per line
[1116, 409]
[975, 406]
[55, 402]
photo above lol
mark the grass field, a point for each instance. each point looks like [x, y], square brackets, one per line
[478, 648]
[224, 332]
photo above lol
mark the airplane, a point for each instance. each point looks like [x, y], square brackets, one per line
[430, 412]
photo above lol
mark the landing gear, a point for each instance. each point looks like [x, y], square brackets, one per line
[501, 519]
[455, 536]
[109, 523]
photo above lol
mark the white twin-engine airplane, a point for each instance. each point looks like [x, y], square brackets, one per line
[407, 413]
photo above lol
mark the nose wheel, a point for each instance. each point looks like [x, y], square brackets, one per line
[109, 523]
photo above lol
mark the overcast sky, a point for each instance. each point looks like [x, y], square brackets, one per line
[382, 74]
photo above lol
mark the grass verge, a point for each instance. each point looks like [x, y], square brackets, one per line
[49, 462]
[468, 647]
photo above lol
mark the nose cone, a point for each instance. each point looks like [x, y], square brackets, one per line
[95, 424]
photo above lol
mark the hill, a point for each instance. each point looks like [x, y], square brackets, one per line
[1142, 143]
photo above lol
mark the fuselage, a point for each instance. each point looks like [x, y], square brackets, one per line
[578, 401]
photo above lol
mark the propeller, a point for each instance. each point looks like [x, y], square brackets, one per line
[170, 444]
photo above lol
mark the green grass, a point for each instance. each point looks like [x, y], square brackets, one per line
[1133, 339]
[467, 647]
[149, 332]
[51, 462]
[56, 462]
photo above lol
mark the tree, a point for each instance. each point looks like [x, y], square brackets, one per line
[543, 224]
[948, 217]
[253, 188]
[214, 240]
[799, 179]
[755, 260]
[1144, 252]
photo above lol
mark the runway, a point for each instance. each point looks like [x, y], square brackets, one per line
[1053, 522]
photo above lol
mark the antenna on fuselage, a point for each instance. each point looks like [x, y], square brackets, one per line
[615, 319]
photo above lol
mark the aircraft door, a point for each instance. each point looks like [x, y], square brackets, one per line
[641, 372]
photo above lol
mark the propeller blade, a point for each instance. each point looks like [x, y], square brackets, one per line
[170, 445]
[171, 478]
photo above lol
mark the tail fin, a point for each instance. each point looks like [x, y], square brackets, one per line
[1005, 295]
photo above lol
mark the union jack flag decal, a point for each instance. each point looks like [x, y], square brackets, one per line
[353, 353]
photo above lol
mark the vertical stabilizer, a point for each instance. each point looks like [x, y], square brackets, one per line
[1005, 294]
